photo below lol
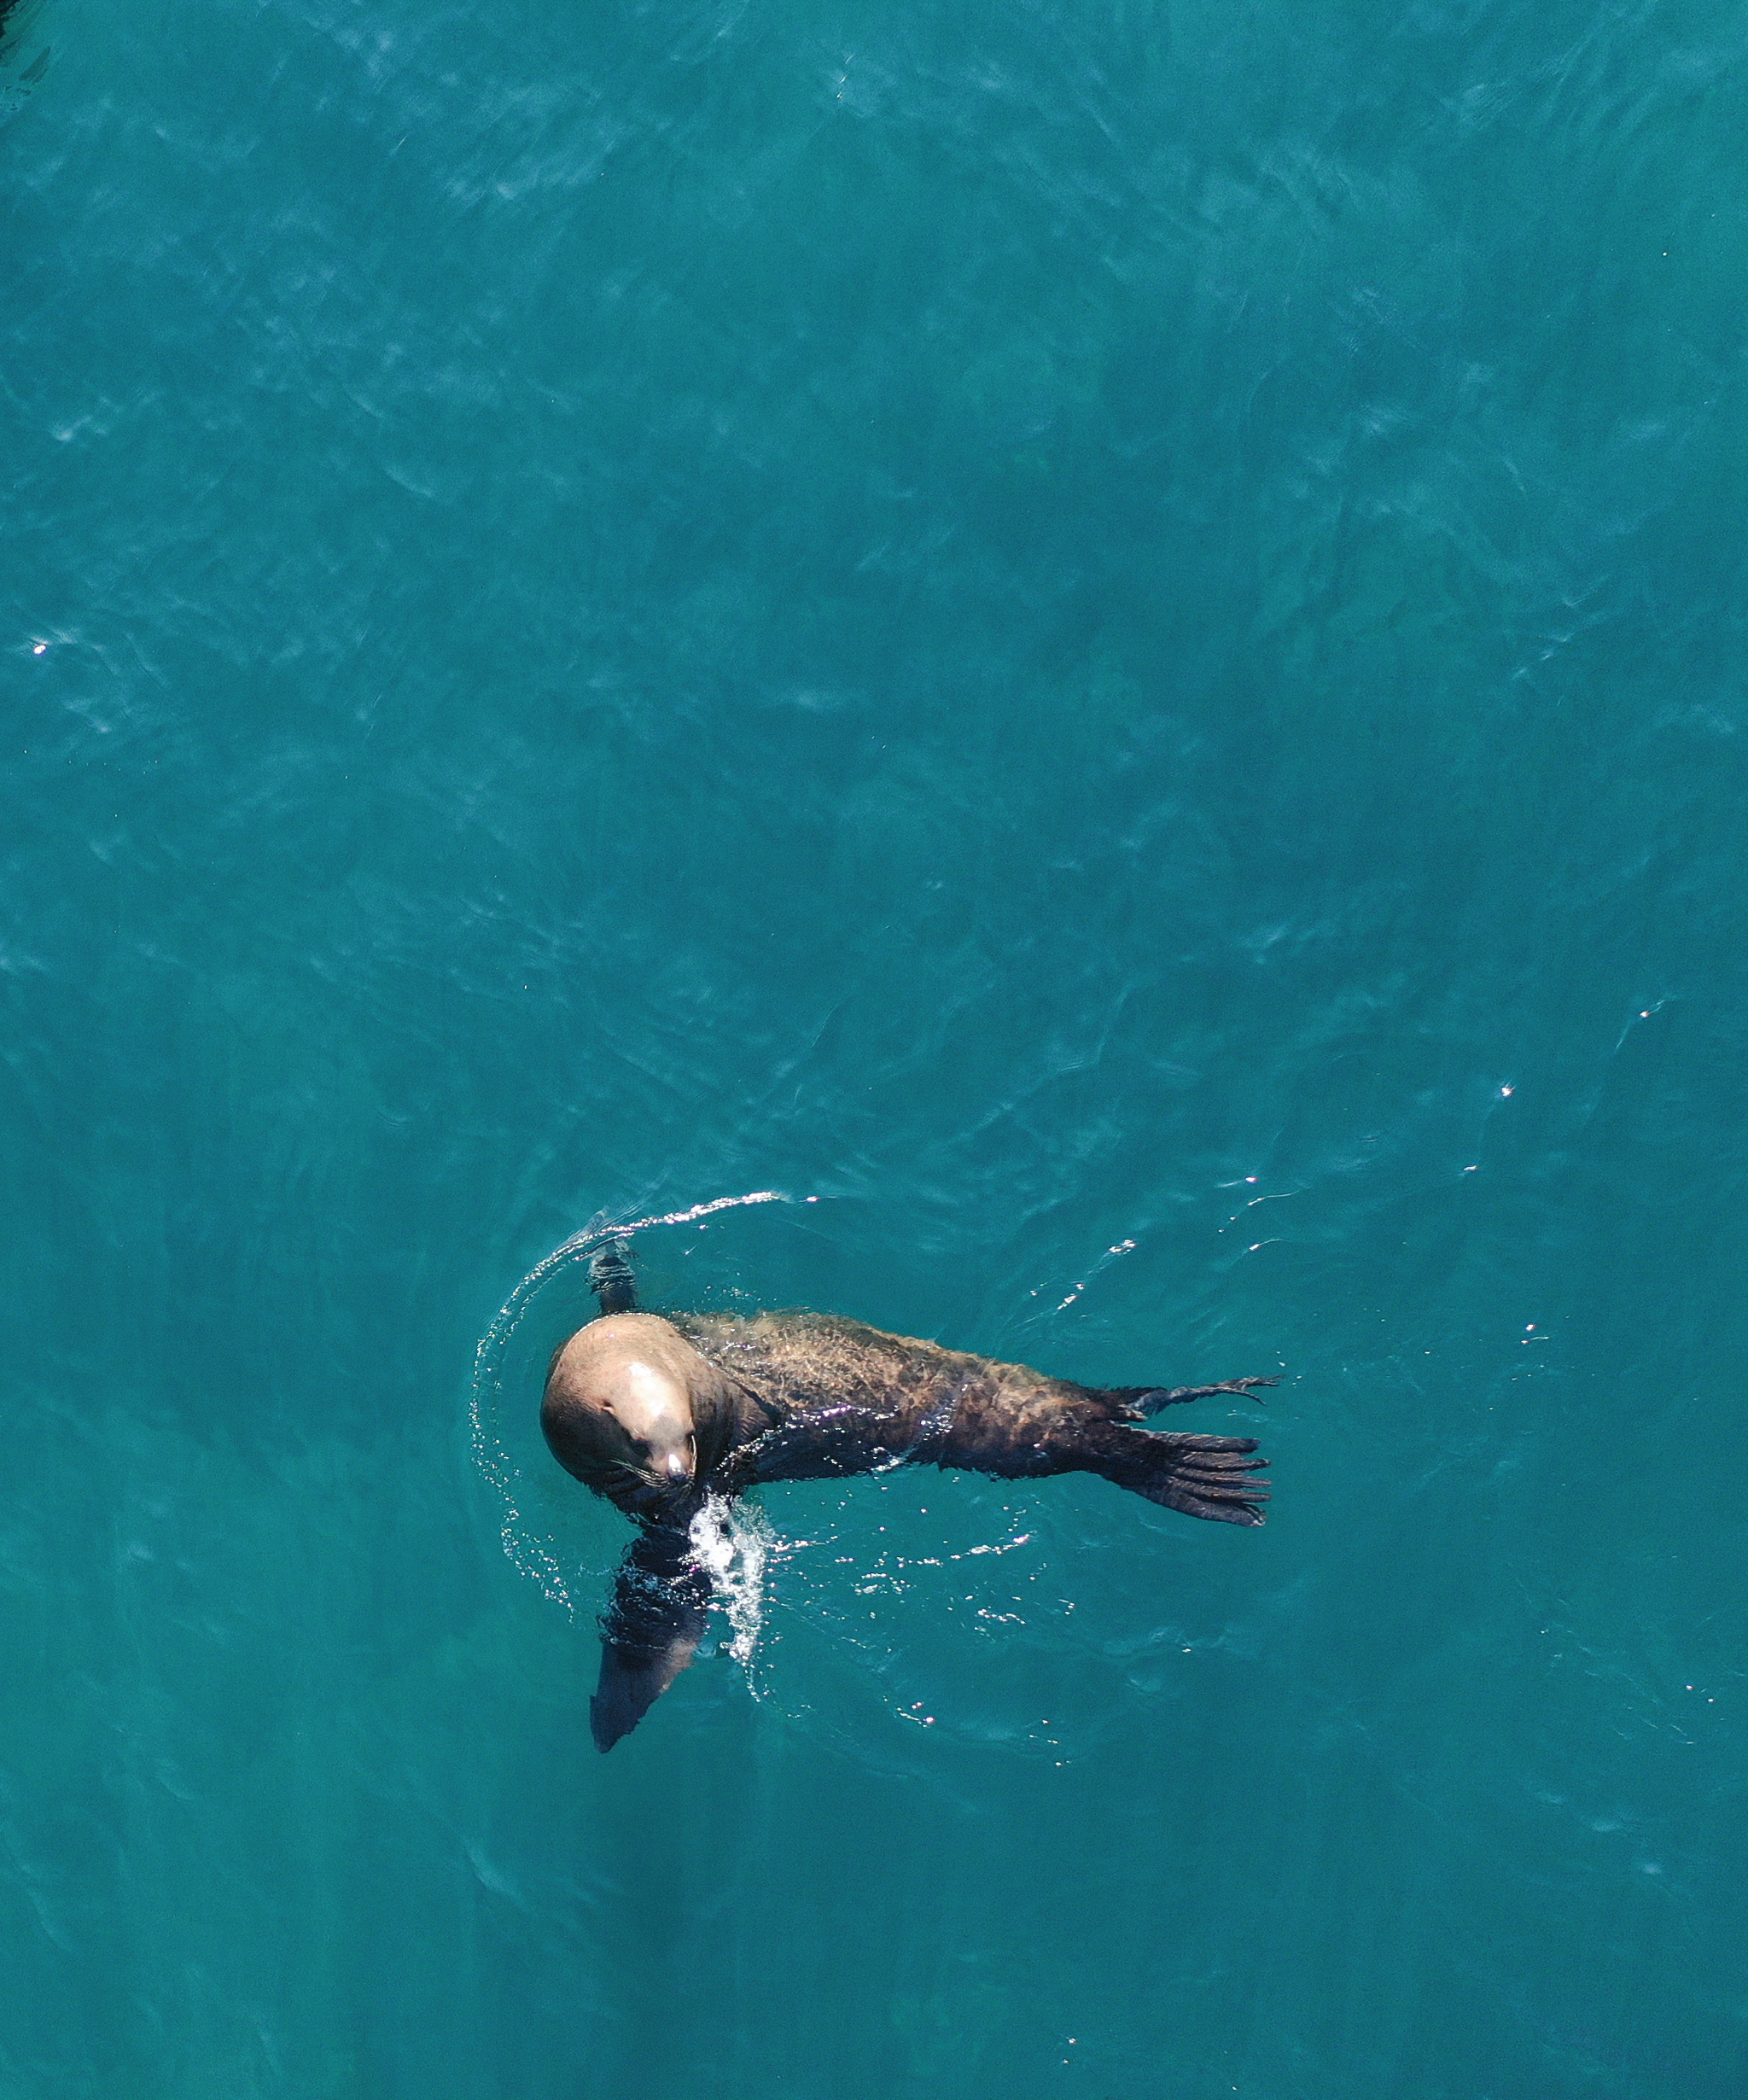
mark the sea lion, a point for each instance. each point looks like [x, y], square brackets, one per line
[656, 1413]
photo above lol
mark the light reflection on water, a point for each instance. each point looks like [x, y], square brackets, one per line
[1104, 643]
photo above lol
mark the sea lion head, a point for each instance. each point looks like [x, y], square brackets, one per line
[632, 1410]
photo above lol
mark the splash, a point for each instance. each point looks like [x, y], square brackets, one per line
[1104, 1261]
[733, 1542]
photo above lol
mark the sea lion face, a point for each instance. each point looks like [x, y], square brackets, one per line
[652, 1409]
[622, 1410]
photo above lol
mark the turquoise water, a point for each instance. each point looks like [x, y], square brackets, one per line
[1102, 645]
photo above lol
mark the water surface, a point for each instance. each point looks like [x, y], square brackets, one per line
[1108, 640]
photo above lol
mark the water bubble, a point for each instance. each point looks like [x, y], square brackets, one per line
[733, 1543]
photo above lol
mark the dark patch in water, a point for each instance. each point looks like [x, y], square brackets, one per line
[19, 69]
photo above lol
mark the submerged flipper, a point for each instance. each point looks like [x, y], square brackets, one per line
[611, 1279]
[650, 1630]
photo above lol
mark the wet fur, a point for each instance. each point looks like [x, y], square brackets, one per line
[846, 1398]
[802, 1396]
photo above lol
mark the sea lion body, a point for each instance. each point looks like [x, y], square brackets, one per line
[658, 1414]
[839, 1398]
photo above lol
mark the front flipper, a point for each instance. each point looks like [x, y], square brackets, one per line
[1201, 1475]
[611, 1279]
[649, 1631]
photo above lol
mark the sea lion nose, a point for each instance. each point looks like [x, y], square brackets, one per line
[676, 1468]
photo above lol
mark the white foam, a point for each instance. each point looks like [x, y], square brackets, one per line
[733, 1542]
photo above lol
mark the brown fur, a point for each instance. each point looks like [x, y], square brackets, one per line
[799, 1396]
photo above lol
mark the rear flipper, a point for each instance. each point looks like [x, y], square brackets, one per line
[1201, 1475]
[650, 1630]
[1135, 1404]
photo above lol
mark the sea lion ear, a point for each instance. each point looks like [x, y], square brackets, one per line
[649, 1632]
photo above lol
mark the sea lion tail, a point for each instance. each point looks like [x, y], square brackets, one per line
[1200, 1476]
